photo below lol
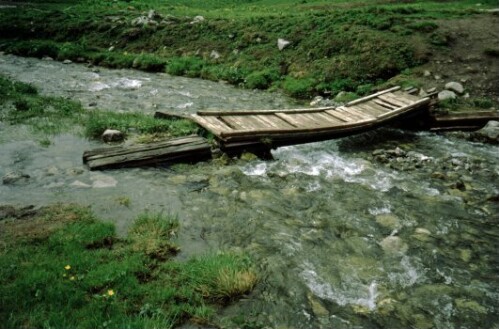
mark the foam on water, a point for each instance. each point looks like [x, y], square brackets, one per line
[349, 293]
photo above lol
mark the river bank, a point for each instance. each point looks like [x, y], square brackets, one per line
[304, 50]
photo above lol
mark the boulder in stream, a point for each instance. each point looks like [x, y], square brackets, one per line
[112, 135]
[488, 134]
[14, 177]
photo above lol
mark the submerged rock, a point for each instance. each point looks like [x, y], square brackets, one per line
[14, 177]
[393, 245]
[389, 221]
[488, 134]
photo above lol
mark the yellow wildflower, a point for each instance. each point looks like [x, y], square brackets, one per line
[67, 267]
[72, 278]
[110, 292]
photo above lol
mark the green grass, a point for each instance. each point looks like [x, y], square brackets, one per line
[362, 42]
[20, 103]
[64, 268]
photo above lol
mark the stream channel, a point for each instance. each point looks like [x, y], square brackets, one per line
[386, 229]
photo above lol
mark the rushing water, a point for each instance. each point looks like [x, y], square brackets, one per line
[340, 238]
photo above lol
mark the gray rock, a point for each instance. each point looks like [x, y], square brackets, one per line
[111, 135]
[197, 20]
[431, 90]
[215, 54]
[282, 43]
[455, 86]
[316, 101]
[14, 177]
[393, 245]
[67, 61]
[152, 14]
[427, 73]
[488, 134]
[446, 94]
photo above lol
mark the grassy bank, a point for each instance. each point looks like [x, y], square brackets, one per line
[20, 103]
[334, 45]
[63, 268]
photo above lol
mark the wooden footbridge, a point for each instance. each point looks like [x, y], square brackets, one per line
[238, 131]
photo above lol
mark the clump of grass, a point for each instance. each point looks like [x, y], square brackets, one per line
[21, 104]
[99, 121]
[63, 268]
[262, 79]
[152, 234]
[189, 66]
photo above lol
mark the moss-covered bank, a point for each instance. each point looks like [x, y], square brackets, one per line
[333, 46]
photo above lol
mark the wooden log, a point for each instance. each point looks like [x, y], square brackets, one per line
[462, 120]
[184, 149]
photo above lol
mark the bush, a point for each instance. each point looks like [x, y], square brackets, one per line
[262, 79]
[149, 63]
[299, 88]
[190, 66]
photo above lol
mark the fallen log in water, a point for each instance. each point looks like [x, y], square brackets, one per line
[462, 120]
[184, 149]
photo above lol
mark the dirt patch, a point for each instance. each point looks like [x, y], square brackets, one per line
[469, 57]
[31, 224]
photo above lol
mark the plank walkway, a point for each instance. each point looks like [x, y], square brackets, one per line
[234, 129]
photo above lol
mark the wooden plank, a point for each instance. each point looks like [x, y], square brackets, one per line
[174, 150]
[404, 109]
[352, 114]
[213, 124]
[120, 150]
[308, 120]
[401, 99]
[339, 115]
[289, 119]
[394, 101]
[385, 104]
[330, 120]
[404, 95]
[359, 112]
[263, 112]
[363, 99]
[379, 108]
[237, 122]
[274, 121]
[369, 109]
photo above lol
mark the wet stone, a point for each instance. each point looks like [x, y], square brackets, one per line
[393, 245]
[388, 221]
[15, 177]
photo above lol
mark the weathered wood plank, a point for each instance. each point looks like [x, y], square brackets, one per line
[380, 108]
[212, 123]
[359, 112]
[394, 101]
[175, 150]
[385, 104]
[339, 115]
[289, 119]
[275, 121]
[369, 109]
